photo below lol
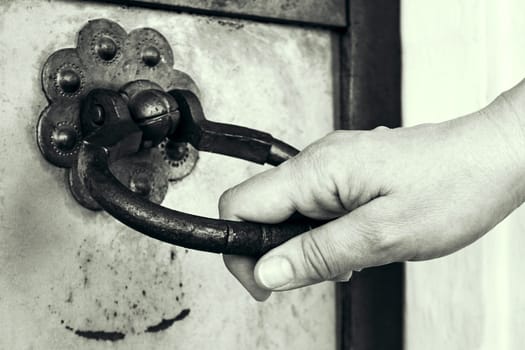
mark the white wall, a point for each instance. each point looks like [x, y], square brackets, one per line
[458, 55]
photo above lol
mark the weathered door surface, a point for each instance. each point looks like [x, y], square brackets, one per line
[72, 278]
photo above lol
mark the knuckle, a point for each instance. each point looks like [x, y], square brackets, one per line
[336, 140]
[318, 262]
[337, 134]
[381, 128]
[319, 155]
[381, 240]
[313, 152]
[311, 161]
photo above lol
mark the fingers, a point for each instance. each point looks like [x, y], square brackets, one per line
[252, 201]
[242, 268]
[302, 184]
[266, 197]
[356, 240]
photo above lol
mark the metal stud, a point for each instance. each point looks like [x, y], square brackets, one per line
[144, 174]
[140, 184]
[106, 48]
[151, 56]
[65, 137]
[69, 80]
[180, 157]
[176, 151]
[108, 57]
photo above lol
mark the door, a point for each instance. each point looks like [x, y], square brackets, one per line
[74, 278]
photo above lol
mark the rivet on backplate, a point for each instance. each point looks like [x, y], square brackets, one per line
[180, 157]
[140, 184]
[106, 48]
[176, 151]
[151, 56]
[69, 80]
[64, 138]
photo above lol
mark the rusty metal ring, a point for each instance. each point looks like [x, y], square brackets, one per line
[190, 231]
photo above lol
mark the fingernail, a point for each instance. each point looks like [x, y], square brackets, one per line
[275, 272]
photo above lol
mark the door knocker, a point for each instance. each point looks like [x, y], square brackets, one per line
[124, 122]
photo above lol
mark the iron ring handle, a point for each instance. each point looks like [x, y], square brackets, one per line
[171, 226]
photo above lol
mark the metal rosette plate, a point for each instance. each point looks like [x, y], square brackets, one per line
[180, 157]
[106, 56]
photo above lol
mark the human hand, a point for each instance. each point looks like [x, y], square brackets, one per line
[393, 194]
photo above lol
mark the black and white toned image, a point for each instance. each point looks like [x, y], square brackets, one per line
[246, 174]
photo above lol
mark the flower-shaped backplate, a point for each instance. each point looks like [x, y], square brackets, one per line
[106, 56]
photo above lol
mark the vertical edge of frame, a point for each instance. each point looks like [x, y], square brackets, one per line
[370, 312]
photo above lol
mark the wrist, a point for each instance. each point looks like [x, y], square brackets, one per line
[504, 119]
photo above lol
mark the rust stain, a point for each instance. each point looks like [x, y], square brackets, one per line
[141, 277]
[116, 336]
[98, 335]
[166, 323]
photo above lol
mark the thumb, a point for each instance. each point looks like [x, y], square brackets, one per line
[361, 238]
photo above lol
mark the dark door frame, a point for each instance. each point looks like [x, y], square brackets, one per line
[371, 305]
[367, 63]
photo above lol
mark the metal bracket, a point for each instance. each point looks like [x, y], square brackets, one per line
[107, 57]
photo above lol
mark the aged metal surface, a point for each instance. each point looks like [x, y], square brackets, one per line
[331, 13]
[154, 112]
[231, 140]
[140, 119]
[181, 158]
[65, 267]
[171, 226]
[371, 305]
[107, 57]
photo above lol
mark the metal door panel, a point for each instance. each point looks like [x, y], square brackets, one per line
[67, 271]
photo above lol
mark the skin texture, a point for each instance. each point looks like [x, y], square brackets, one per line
[400, 194]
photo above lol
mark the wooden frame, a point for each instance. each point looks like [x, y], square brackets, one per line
[367, 60]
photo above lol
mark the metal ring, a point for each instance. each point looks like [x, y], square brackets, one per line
[171, 226]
